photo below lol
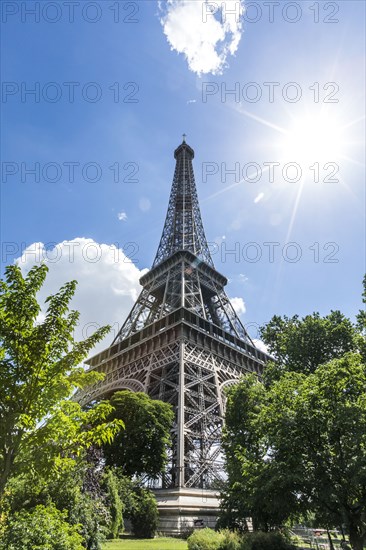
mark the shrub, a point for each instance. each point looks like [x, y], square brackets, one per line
[138, 504]
[43, 528]
[205, 539]
[65, 492]
[144, 515]
[114, 504]
[231, 540]
[265, 541]
[93, 517]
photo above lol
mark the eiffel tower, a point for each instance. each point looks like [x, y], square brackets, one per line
[182, 343]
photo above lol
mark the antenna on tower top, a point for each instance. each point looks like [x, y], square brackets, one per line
[184, 138]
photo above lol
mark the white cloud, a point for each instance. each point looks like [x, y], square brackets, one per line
[238, 305]
[260, 345]
[122, 216]
[205, 32]
[191, 101]
[258, 198]
[108, 282]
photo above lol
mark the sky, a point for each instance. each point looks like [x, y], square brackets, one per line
[96, 97]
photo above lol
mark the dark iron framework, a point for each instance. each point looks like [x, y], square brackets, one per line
[182, 341]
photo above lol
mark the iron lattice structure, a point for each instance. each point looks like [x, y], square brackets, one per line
[182, 341]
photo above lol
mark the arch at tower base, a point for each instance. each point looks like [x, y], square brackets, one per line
[183, 509]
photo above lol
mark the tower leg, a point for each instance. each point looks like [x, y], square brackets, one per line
[180, 446]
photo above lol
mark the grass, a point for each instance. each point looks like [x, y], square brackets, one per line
[162, 543]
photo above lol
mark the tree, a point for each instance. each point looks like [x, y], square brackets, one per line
[142, 447]
[361, 323]
[316, 429]
[296, 444]
[300, 345]
[41, 428]
[309, 436]
[361, 317]
[255, 488]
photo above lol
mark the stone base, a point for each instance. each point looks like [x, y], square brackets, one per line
[182, 510]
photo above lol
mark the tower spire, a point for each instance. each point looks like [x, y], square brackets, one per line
[183, 228]
[183, 274]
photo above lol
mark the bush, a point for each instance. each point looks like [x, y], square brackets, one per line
[93, 517]
[114, 504]
[65, 492]
[265, 541]
[144, 515]
[43, 528]
[231, 540]
[205, 539]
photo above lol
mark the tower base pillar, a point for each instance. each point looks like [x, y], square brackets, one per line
[183, 509]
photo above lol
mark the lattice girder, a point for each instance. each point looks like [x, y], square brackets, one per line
[183, 228]
[199, 395]
[183, 282]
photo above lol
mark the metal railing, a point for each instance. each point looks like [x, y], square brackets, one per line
[318, 538]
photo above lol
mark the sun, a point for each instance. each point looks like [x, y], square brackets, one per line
[311, 139]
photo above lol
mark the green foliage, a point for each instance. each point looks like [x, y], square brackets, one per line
[205, 539]
[301, 345]
[43, 528]
[45, 435]
[320, 419]
[144, 513]
[361, 323]
[361, 317]
[114, 503]
[138, 503]
[142, 447]
[265, 541]
[298, 445]
[41, 429]
[91, 514]
[86, 506]
[231, 540]
[126, 491]
[255, 488]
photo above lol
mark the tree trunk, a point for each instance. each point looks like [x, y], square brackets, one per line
[9, 451]
[330, 540]
[5, 474]
[356, 538]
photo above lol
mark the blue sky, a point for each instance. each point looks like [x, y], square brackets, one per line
[171, 65]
